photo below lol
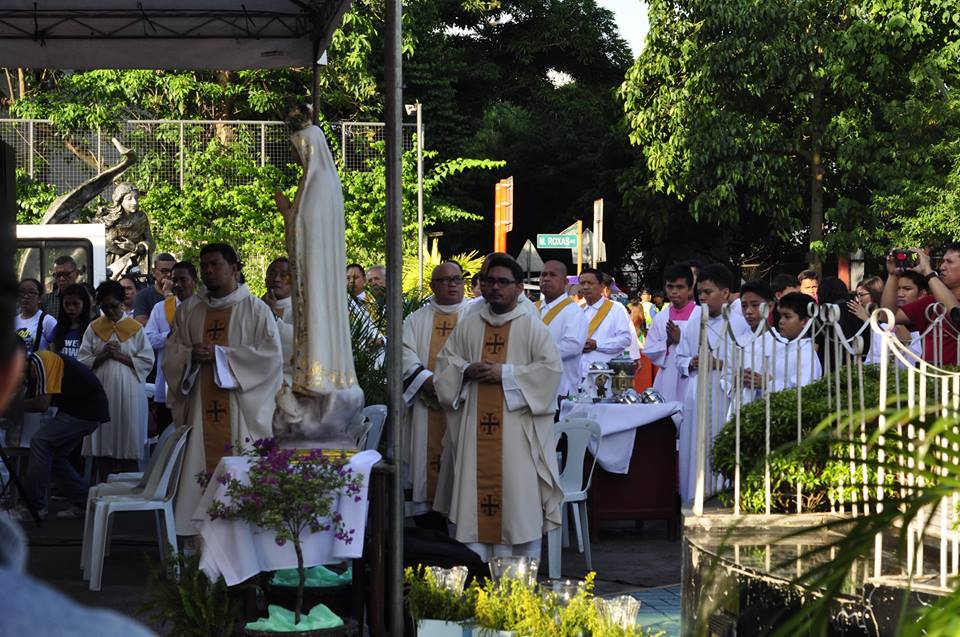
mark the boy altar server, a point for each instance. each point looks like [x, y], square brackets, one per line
[665, 332]
[714, 291]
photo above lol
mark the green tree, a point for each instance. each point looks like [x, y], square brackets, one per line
[33, 198]
[817, 116]
[530, 82]
[365, 203]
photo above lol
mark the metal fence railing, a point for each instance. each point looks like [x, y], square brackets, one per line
[885, 443]
[164, 146]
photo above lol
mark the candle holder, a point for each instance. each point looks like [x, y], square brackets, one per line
[453, 579]
[516, 567]
[564, 589]
[619, 611]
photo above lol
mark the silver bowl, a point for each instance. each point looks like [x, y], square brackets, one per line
[651, 396]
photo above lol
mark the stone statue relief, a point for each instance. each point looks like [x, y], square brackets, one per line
[128, 242]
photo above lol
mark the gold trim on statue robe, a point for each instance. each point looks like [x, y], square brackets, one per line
[215, 400]
[443, 325]
[489, 417]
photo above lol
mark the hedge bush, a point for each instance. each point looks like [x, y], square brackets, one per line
[819, 464]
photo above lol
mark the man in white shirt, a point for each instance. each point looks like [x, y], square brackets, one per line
[566, 322]
[634, 348]
[157, 331]
[608, 326]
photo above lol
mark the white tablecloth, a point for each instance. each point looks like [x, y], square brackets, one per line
[238, 550]
[619, 426]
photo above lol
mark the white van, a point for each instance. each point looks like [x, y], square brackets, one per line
[38, 246]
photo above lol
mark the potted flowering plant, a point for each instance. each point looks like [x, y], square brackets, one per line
[438, 602]
[290, 492]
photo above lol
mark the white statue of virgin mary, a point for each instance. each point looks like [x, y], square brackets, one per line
[325, 394]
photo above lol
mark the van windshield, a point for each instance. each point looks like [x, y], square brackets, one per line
[35, 258]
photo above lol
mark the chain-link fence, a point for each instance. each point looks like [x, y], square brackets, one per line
[164, 147]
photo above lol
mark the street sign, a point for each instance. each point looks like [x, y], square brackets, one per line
[598, 250]
[529, 259]
[587, 248]
[557, 241]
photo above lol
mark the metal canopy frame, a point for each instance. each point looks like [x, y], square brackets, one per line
[171, 34]
[231, 35]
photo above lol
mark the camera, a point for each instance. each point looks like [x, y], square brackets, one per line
[905, 259]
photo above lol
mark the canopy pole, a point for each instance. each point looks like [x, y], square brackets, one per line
[315, 85]
[394, 248]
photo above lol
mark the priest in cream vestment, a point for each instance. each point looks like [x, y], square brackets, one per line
[278, 299]
[425, 332]
[224, 368]
[500, 370]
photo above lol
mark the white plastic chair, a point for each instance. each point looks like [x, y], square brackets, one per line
[138, 476]
[128, 484]
[358, 429]
[376, 415]
[157, 495]
[580, 432]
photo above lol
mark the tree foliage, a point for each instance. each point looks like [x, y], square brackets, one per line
[839, 116]
[530, 82]
[365, 203]
[33, 198]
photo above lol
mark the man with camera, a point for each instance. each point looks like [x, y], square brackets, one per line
[944, 288]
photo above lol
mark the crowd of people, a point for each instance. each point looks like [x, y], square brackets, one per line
[769, 323]
[484, 377]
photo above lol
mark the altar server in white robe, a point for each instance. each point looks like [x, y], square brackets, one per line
[425, 332]
[713, 287]
[500, 371]
[184, 278]
[634, 347]
[566, 322]
[755, 346]
[608, 325]
[666, 330]
[793, 361]
[224, 369]
[116, 349]
[770, 359]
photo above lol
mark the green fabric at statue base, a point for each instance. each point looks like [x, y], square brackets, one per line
[316, 577]
[280, 620]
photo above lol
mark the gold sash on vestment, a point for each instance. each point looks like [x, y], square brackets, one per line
[555, 310]
[490, 440]
[215, 400]
[443, 325]
[170, 309]
[599, 316]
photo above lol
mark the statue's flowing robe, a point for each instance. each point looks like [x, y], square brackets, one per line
[323, 357]
[510, 496]
[425, 331]
[229, 401]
